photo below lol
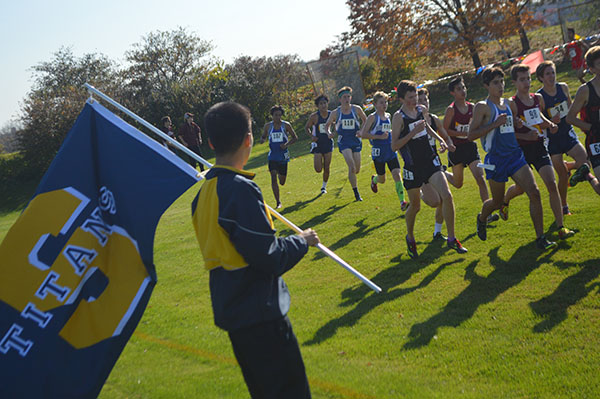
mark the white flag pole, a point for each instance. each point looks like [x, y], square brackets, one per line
[92, 90]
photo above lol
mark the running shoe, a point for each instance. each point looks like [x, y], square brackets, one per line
[323, 191]
[503, 212]
[457, 246]
[563, 233]
[481, 229]
[566, 211]
[543, 243]
[412, 248]
[403, 206]
[374, 183]
[357, 197]
[278, 205]
[580, 175]
[493, 217]
[439, 236]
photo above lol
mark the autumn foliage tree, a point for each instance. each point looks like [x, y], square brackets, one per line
[434, 28]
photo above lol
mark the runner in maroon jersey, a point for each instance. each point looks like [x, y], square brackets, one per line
[527, 107]
[456, 122]
[587, 100]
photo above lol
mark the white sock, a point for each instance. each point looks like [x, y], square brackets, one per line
[324, 184]
[437, 228]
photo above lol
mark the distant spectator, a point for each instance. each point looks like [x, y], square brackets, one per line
[574, 51]
[189, 135]
[167, 128]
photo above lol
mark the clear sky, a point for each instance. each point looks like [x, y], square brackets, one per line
[31, 31]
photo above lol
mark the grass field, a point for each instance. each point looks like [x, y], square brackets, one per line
[502, 321]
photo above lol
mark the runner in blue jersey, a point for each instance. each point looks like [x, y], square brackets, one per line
[281, 135]
[321, 144]
[557, 101]
[378, 129]
[347, 119]
[493, 123]
[421, 164]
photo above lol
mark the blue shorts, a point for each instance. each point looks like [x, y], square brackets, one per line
[505, 165]
[354, 145]
[561, 143]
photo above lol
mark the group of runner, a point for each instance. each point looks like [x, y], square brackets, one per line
[528, 129]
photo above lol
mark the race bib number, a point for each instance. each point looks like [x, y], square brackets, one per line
[375, 152]
[408, 175]
[572, 53]
[508, 126]
[462, 128]
[386, 127]
[595, 148]
[348, 124]
[277, 137]
[532, 116]
[322, 128]
[561, 109]
[436, 161]
[412, 126]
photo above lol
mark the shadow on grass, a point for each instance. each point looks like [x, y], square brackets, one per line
[480, 291]
[299, 205]
[553, 308]
[14, 198]
[362, 229]
[397, 274]
[388, 279]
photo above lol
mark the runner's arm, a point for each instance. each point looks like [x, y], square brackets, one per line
[330, 121]
[581, 99]
[364, 131]
[290, 130]
[478, 128]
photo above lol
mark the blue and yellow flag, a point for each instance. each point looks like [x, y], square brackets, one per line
[76, 269]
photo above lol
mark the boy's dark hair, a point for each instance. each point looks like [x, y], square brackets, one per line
[227, 124]
[277, 108]
[165, 119]
[489, 74]
[539, 71]
[405, 86]
[454, 82]
[516, 69]
[423, 90]
[321, 98]
[592, 56]
[571, 30]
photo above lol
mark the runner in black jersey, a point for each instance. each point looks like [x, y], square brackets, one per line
[321, 145]
[421, 164]
[557, 101]
[428, 193]
[587, 100]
